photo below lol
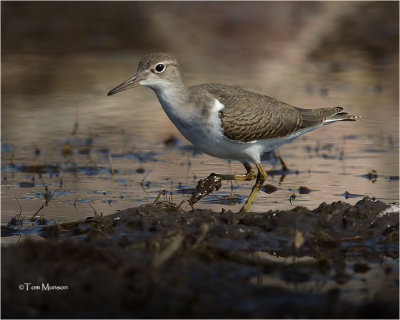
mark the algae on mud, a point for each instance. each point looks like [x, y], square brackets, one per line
[159, 261]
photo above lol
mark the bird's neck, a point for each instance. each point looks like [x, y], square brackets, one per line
[174, 98]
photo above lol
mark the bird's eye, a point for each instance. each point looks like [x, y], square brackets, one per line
[160, 68]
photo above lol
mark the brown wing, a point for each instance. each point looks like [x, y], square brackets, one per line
[250, 116]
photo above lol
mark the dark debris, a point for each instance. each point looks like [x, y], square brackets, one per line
[204, 187]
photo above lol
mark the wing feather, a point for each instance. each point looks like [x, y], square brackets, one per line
[248, 116]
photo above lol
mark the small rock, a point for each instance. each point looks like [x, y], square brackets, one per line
[26, 184]
[304, 190]
[361, 268]
[269, 188]
[171, 140]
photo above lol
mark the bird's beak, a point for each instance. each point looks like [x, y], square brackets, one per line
[130, 83]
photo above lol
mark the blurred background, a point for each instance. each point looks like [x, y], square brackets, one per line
[59, 129]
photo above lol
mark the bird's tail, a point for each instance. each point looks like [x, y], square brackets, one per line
[315, 117]
[341, 116]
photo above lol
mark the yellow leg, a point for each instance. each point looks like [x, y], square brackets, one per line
[250, 175]
[261, 177]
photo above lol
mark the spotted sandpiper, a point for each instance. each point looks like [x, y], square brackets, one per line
[227, 121]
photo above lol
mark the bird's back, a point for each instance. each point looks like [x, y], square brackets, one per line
[248, 116]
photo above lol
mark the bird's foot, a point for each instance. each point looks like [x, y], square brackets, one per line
[250, 175]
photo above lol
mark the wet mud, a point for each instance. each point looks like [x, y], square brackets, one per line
[156, 260]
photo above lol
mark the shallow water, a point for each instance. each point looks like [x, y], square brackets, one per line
[59, 129]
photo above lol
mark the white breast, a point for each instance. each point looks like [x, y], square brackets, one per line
[205, 132]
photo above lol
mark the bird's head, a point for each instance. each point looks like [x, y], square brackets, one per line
[155, 70]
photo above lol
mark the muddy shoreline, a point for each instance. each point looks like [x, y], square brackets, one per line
[157, 261]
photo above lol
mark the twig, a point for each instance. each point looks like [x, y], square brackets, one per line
[162, 191]
[48, 196]
[142, 183]
[145, 176]
[112, 169]
[95, 212]
[171, 193]
[175, 243]
[20, 207]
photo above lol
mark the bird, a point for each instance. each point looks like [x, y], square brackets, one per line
[226, 121]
